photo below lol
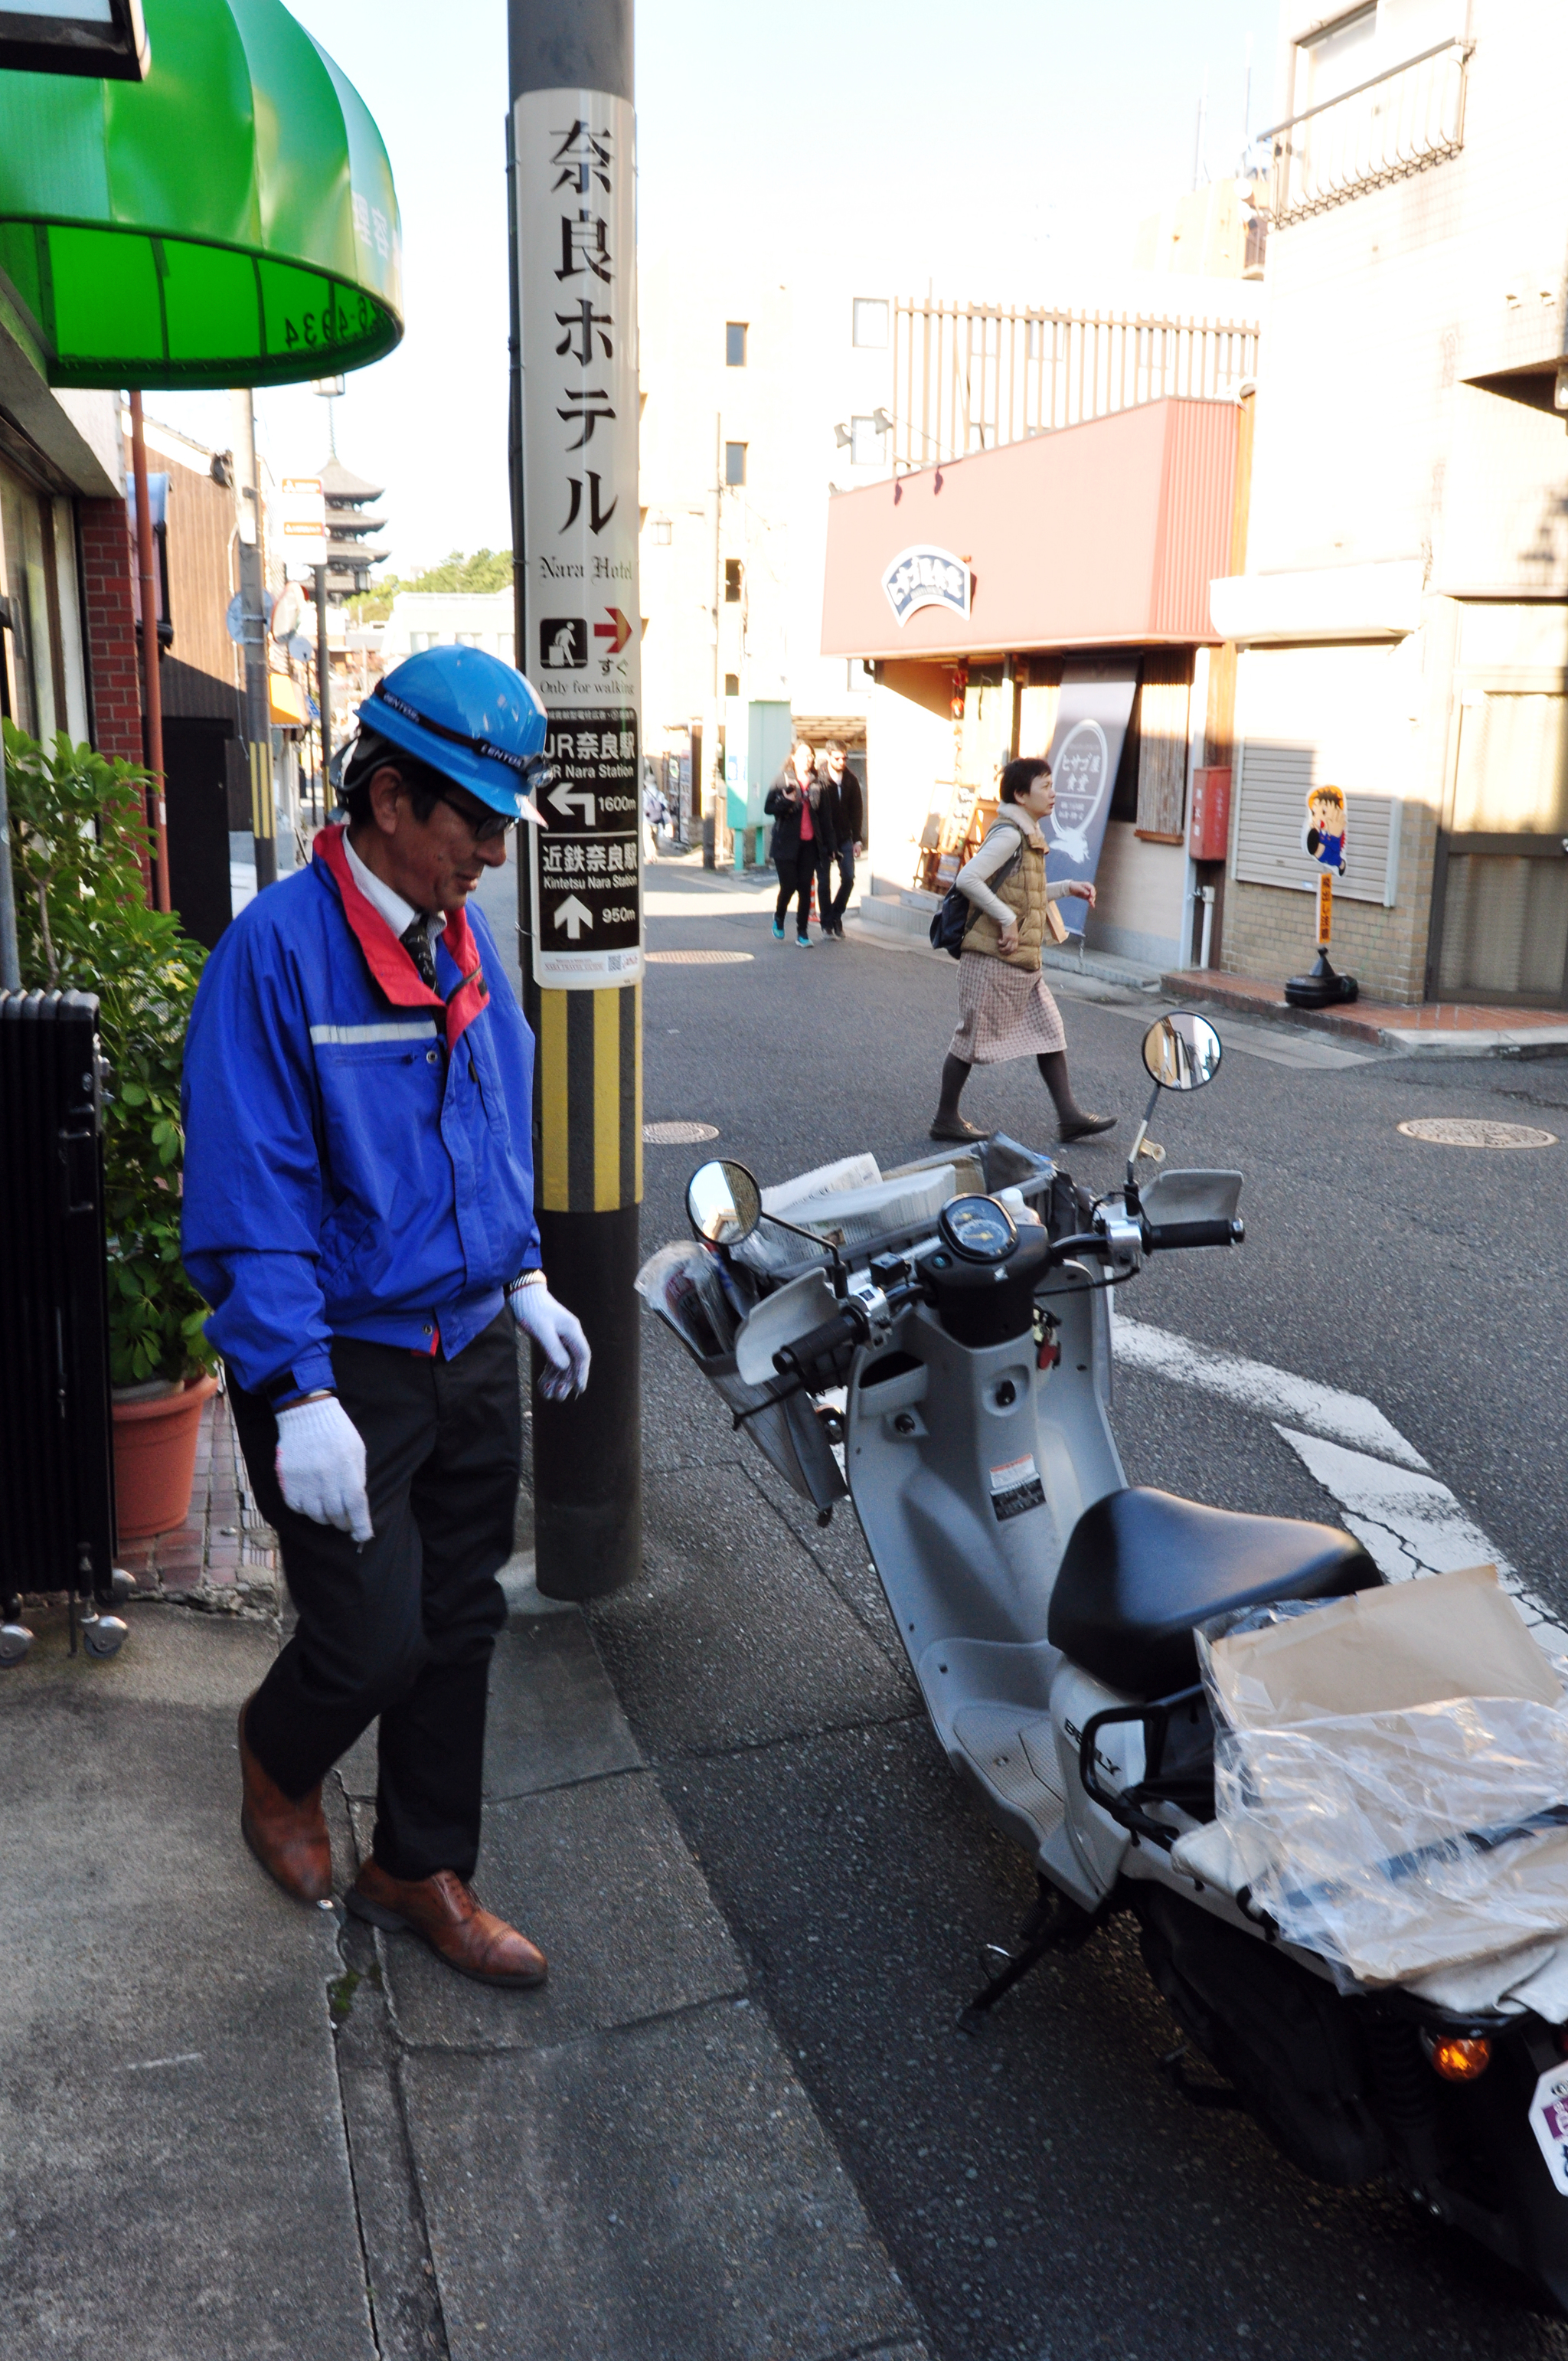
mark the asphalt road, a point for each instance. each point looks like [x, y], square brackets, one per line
[1043, 2191]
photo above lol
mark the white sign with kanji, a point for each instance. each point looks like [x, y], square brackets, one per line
[581, 649]
[301, 513]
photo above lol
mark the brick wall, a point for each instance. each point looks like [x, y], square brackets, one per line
[1273, 933]
[113, 659]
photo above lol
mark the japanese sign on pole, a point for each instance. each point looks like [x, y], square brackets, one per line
[576, 232]
[574, 480]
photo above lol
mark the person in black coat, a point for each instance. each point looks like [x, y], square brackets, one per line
[845, 799]
[795, 804]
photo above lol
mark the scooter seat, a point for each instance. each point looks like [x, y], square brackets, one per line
[1142, 1567]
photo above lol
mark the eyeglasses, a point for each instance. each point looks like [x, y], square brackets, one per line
[489, 827]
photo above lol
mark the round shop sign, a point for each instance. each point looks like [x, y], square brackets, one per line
[926, 577]
[1082, 776]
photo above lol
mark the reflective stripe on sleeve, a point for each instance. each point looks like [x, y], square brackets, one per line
[342, 1036]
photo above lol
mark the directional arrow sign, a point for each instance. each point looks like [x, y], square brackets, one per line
[618, 629]
[562, 797]
[574, 915]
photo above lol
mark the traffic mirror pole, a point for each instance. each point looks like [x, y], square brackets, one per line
[571, 192]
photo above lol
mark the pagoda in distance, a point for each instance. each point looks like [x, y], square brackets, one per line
[349, 522]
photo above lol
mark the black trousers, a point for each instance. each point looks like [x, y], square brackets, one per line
[403, 1628]
[796, 871]
[844, 855]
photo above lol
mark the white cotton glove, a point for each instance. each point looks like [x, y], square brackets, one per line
[321, 1466]
[559, 1336]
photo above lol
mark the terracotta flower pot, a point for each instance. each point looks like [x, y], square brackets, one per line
[155, 1458]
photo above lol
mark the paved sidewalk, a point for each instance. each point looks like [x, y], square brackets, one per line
[1446, 1028]
[231, 2128]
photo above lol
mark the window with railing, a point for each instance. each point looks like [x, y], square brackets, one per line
[969, 376]
[1399, 122]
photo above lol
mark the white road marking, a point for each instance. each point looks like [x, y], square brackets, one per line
[1408, 1521]
[147, 2065]
[1256, 1386]
[1412, 1524]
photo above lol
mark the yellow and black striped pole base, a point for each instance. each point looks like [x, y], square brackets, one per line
[587, 1455]
[263, 813]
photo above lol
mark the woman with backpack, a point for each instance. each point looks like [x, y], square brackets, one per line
[1004, 1009]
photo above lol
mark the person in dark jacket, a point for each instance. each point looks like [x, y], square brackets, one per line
[845, 799]
[358, 1210]
[795, 806]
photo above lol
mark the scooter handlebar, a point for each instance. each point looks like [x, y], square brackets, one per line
[1195, 1234]
[811, 1358]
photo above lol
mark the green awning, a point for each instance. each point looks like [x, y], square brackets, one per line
[230, 221]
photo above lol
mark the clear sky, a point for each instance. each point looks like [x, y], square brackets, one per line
[964, 145]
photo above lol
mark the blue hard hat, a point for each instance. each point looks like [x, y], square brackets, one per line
[472, 717]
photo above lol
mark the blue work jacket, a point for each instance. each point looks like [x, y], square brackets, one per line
[358, 1156]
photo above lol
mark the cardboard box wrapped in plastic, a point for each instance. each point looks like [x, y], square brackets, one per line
[1391, 1771]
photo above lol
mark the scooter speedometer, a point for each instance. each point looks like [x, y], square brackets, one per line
[977, 1229]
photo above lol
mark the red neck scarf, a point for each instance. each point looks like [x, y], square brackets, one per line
[388, 959]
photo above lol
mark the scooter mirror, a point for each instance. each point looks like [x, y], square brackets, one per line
[724, 1203]
[1182, 1051]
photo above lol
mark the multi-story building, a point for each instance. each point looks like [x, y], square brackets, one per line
[1402, 620]
[758, 396]
[767, 395]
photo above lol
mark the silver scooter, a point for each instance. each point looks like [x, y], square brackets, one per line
[951, 1374]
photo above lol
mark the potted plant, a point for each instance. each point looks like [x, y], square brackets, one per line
[83, 923]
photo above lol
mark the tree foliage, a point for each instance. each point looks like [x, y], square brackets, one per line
[82, 925]
[486, 570]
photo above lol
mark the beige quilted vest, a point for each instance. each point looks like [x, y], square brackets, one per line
[1023, 891]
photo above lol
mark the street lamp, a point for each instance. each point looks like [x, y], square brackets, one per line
[104, 38]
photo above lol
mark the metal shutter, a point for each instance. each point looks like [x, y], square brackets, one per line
[1307, 716]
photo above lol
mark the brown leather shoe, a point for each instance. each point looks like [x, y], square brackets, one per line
[289, 1839]
[444, 1914]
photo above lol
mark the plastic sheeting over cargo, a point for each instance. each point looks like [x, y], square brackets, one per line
[1392, 1777]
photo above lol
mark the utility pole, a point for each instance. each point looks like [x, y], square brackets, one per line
[572, 195]
[324, 683]
[253, 609]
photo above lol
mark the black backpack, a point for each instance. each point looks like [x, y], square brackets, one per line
[958, 913]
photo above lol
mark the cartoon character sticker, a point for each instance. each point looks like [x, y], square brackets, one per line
[1325, 835]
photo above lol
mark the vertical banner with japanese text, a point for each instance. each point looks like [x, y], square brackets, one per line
[576, 309]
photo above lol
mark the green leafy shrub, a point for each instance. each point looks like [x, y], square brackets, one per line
[82, 925]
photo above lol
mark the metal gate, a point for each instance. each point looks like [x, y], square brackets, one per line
[1499, 928]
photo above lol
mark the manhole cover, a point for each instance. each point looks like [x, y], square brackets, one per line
[698, 959]
[1475, 1131]
[677, 1134]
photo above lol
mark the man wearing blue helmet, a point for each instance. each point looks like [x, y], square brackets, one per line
[358, 1210]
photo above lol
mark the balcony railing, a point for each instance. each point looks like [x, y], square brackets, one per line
[969, 376]
[1399, 123]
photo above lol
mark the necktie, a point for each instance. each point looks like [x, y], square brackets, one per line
[415, 940]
